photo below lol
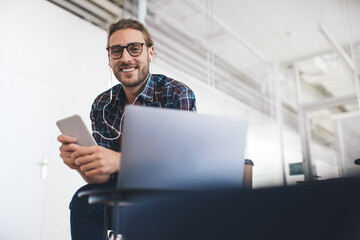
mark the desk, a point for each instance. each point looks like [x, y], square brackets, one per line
[322, 210]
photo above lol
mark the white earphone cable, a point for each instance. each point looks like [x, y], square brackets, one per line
[121, 119]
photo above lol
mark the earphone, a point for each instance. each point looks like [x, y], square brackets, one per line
[110, 66]
[111, 95]
[121, 119]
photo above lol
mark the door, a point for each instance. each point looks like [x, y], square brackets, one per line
[26, 106]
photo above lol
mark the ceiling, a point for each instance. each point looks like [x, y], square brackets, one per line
[265, 24]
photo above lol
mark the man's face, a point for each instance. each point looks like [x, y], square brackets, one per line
[130, 71]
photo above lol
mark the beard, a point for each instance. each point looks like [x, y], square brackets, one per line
[132, 81]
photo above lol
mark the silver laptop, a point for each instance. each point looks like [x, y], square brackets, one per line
[166, 149]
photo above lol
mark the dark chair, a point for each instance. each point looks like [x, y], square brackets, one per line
[116, 198]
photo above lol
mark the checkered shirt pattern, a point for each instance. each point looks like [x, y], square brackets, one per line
[160, 91]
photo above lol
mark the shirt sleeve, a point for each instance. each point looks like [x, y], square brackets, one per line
[186, 101]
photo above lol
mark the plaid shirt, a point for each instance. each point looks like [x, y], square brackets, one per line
[160, 91]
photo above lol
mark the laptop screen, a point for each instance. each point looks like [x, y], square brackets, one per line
[166, 149]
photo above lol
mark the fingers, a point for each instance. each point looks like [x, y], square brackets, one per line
[92, 164]
[83, 151]
[70, 163]
[94, 168]
[69, 147]
[85, 159]
[65, 139]
[96, 171]
[96, 160]
[66, 149]
[66, 156]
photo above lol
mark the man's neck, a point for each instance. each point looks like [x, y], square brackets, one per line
[132, 93]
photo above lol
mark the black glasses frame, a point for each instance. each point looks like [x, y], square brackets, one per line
[127, 48]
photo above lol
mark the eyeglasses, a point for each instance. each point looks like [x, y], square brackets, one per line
[134, 49]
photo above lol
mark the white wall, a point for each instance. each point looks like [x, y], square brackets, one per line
[42, 45]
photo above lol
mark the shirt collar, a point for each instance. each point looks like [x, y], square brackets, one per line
[147, 94]
[149, 89]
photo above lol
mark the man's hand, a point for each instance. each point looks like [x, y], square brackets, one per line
[67, 148]
[95, 163]
[96, 160]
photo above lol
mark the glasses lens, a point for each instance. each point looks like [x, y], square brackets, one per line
[116, 51]
[135, 49]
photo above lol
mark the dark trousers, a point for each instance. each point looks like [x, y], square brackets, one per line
[87, 221]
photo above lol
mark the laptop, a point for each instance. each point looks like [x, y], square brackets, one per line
[166, 149]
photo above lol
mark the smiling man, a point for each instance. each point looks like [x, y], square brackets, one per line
[130, 51]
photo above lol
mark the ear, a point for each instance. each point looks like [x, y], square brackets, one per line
[110, 62]
[151, 52]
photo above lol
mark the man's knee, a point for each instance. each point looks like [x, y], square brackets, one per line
[86, 220]
[80, 207]
[77, 202]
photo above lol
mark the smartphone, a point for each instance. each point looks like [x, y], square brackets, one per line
[75, 126]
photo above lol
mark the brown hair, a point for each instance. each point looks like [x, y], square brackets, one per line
[132, 24]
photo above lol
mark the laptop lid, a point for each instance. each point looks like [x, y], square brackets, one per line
[166, 149]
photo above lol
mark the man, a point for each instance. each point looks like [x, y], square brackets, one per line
[130, 51]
